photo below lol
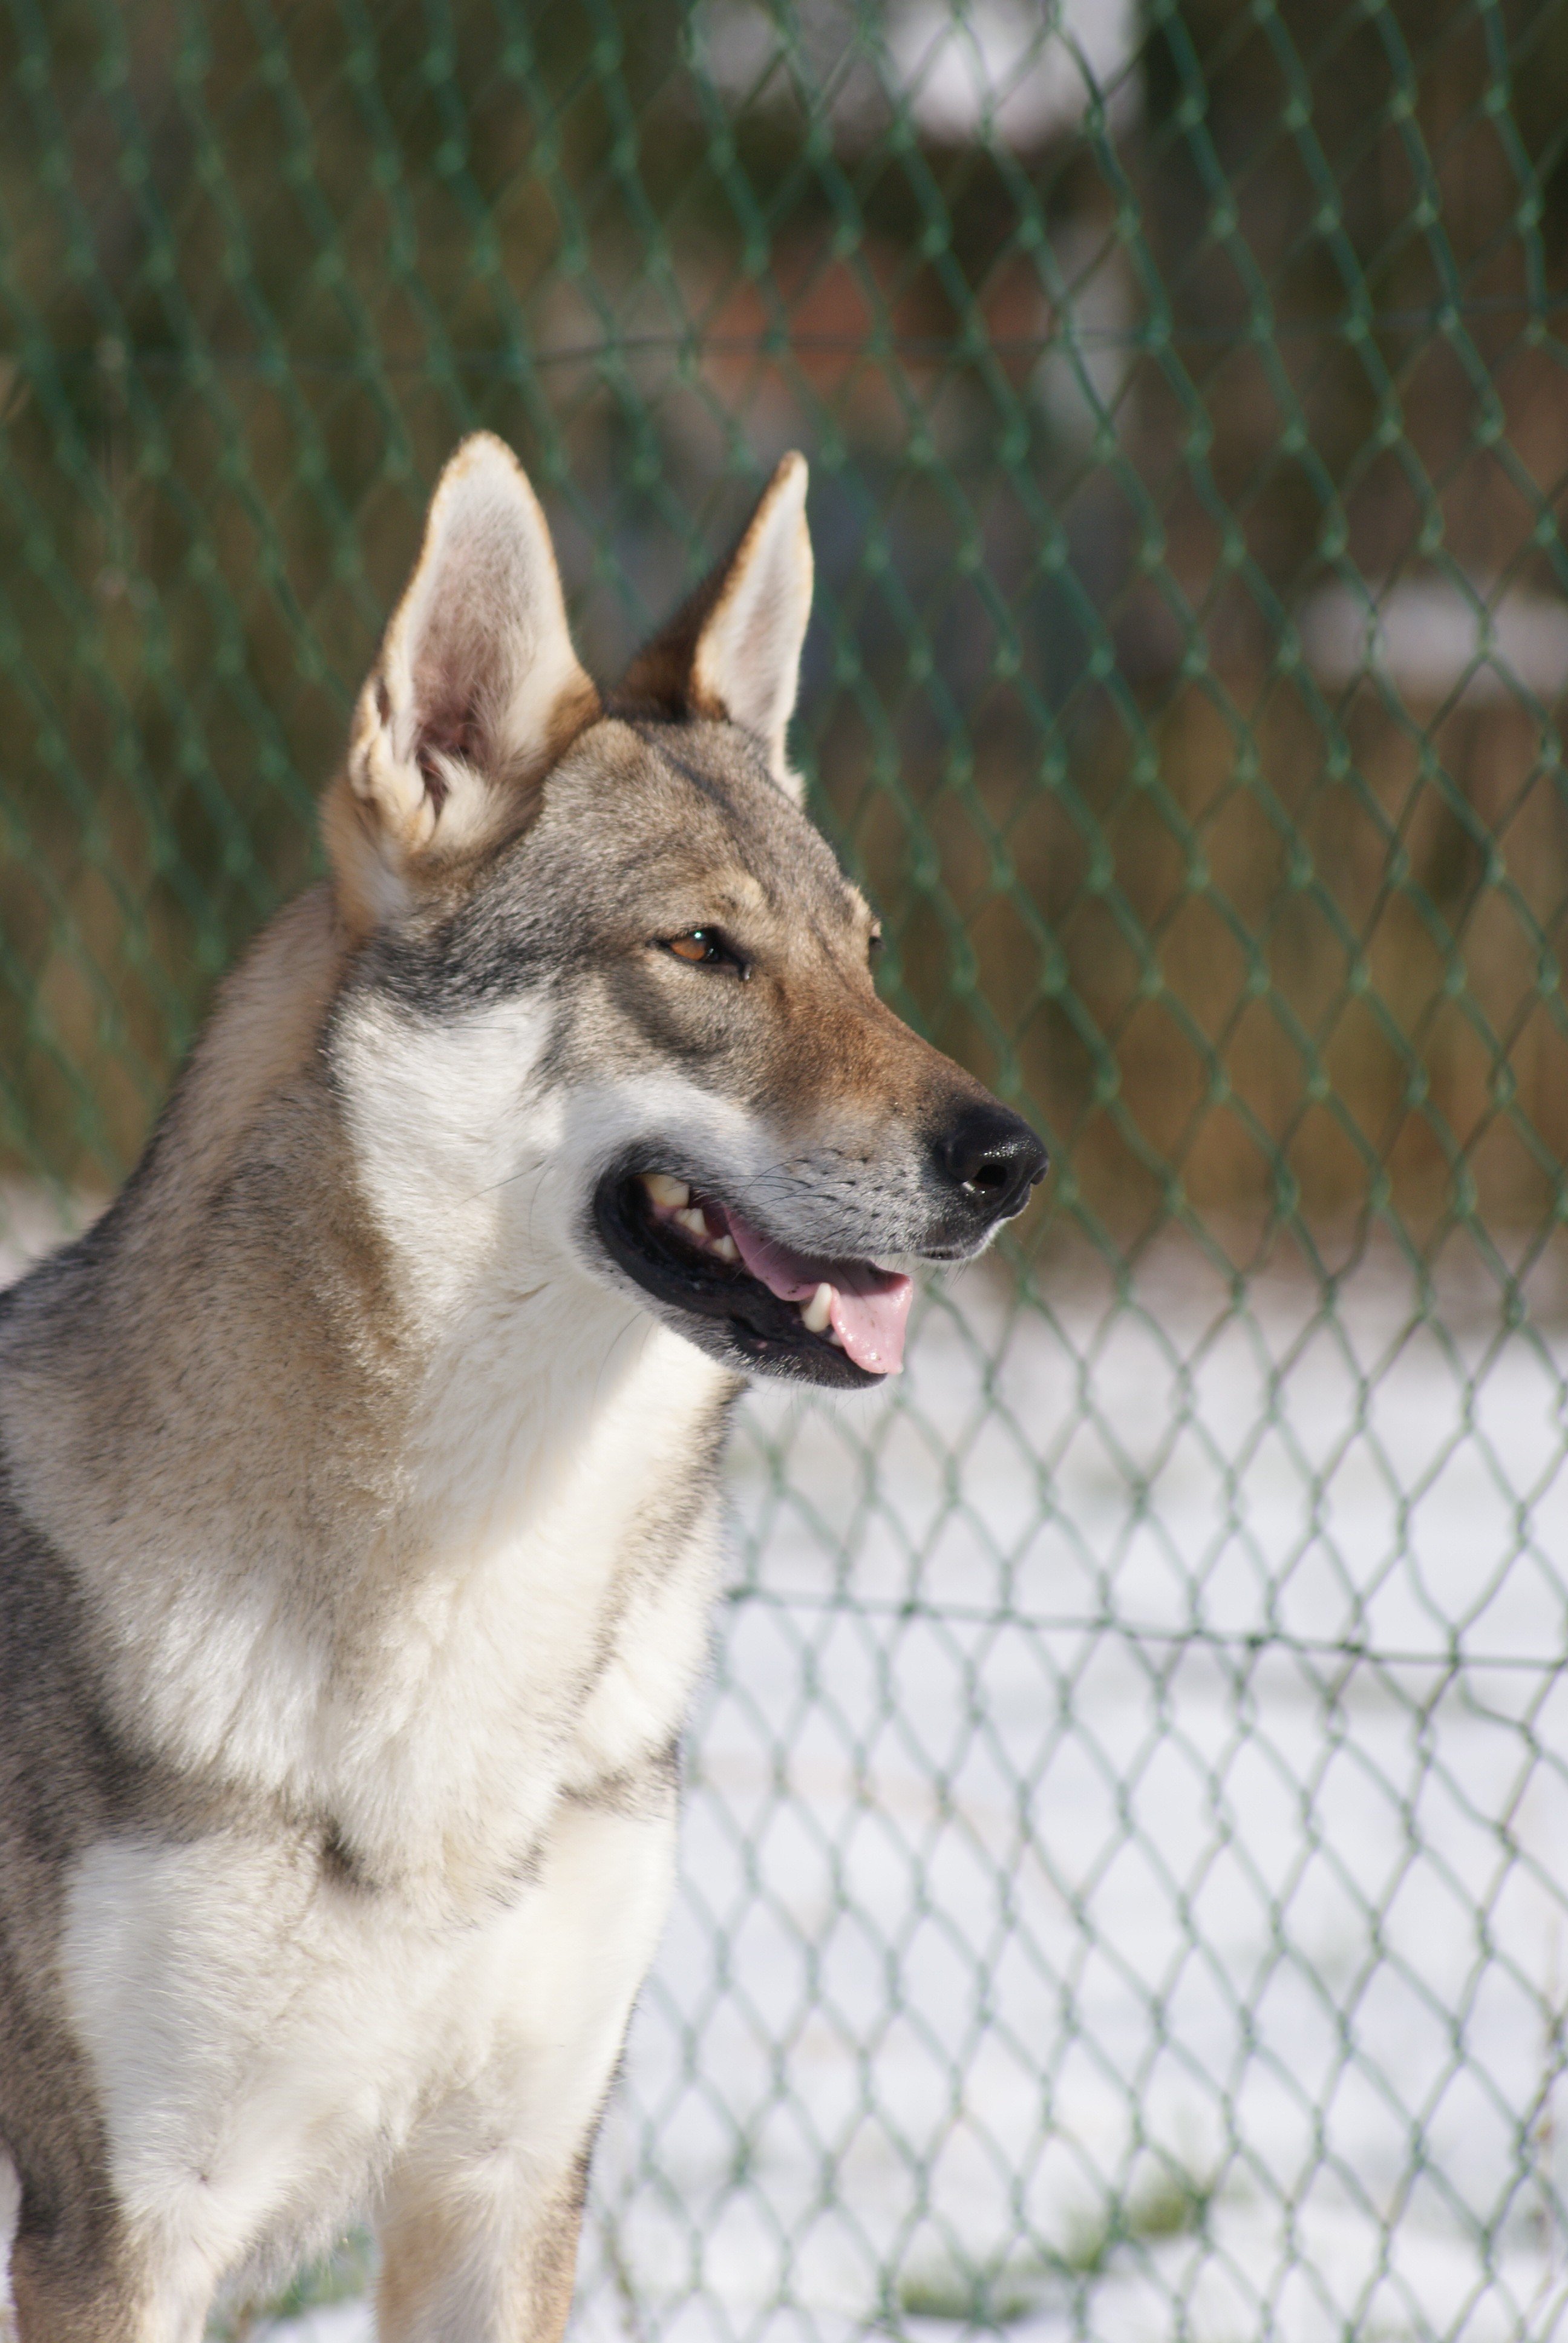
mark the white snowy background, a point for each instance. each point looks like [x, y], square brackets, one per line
[1124, 1861]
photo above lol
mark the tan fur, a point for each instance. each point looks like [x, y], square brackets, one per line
[268, 1021]
[424, 2243]
[766, 592]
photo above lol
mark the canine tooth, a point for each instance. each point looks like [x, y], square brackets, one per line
[692, 1222]
[815, 1313]
[725, 1249]
[673, 1194]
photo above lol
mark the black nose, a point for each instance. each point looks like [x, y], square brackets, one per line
[994, 1158]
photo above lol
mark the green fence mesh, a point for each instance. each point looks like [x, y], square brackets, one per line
[1124, 1868]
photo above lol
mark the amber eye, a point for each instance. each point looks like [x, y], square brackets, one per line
[708, 948]
[702, 945]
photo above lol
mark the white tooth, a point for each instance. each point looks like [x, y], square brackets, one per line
[692, 1220]
[725, 1248]
[815, 1313]
[673, 1194]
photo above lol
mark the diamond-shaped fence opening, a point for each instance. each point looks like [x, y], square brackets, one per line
[1124, 1883]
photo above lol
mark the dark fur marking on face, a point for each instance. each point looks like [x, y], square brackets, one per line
[656, 738]
[461, 962]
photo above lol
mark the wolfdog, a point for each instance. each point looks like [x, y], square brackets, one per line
[359, 1519]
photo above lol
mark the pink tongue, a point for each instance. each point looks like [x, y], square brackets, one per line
[870, 1306]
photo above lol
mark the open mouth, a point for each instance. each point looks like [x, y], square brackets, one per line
[834, 1322]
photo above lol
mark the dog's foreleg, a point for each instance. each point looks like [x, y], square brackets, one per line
[479, 2230]
[69, 2271]
[80, 2285]
[489, 2259]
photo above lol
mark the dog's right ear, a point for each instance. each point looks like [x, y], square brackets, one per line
[475, 693]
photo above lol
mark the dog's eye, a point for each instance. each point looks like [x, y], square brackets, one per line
[704, 947]
[874, 942]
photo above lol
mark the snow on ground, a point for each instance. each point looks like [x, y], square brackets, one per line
[1124, 1856]
[1125, 1872]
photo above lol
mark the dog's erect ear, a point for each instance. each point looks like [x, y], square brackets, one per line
[475, 693]
[734, 648]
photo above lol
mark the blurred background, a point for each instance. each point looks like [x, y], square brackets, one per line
[1125, 1853]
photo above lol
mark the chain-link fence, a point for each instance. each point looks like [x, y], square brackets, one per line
[1123, 1880]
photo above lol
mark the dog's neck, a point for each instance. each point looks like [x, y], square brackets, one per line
[318, 1378]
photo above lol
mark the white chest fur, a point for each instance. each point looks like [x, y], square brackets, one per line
[534, 1623]
[558, 1625]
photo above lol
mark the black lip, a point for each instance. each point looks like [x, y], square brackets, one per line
[724, 1310]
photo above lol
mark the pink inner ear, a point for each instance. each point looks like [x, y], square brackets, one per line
[454, 729]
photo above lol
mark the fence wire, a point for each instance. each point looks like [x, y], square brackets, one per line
[1123, 1880]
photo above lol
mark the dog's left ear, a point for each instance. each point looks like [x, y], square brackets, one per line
[476, 692]
[734, 649]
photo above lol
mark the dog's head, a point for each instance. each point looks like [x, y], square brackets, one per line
[624, 974]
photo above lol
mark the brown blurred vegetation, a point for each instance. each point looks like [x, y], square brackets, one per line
[1091, 424]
